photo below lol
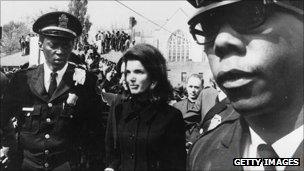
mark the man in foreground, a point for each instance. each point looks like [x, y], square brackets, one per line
[46, 107]
[255, 51]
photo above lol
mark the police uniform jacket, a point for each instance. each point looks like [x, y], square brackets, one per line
[216, 149]
[151, 137]
[48, 127]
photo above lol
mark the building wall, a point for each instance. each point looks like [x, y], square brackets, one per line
[197, 62]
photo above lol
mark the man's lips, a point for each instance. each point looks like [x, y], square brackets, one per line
[236, 83]
[58, 60]
[234, 78]
[192, 94]
[133, 86]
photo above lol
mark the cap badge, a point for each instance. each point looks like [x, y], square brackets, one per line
[63, 21]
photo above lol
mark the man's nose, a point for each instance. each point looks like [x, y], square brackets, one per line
[229, 42]
[59, 50]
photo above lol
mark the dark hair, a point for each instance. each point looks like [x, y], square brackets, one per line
[155, 64]
[118, 66]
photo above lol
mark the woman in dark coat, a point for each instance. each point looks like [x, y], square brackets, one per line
[150, 133]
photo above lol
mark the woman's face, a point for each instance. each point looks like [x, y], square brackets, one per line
[137, 77]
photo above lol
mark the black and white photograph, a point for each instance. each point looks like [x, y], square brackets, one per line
[135, 85]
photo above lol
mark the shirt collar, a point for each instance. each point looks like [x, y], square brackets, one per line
[291, 140]
[60, 73]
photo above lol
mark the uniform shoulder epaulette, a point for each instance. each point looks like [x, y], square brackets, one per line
[26, 69]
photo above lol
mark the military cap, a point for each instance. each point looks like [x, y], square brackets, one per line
[207, 5]
[58, 24]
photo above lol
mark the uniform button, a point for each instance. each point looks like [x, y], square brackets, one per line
[46, 152]
[47, 136]
[201, 131]
[48, 120]
[46, 165]
[28, 114]
[132, 156]
[132, 136]
[50, 104]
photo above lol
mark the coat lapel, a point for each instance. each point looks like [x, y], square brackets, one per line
[65, 84]
[36, 83]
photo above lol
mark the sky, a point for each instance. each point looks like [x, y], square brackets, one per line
[104, 14]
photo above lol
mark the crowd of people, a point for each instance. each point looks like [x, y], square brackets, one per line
[81, 111]
[24, 42]
[115, 40]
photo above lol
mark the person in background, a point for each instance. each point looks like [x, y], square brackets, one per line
[194, 86]
[113, 99]
[255, 52]
[22, 45]
[150, 133]
[27, 44]
[206, 99]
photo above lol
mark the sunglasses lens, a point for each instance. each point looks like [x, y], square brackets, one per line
[206, 29]
[199, 34]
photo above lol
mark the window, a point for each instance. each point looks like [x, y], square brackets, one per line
[178, 46]
[184, 77]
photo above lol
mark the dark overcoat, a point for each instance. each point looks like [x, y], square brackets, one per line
[191, 118]
[47, 128]
[150, 138]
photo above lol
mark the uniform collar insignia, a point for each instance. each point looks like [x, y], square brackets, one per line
[63, 21]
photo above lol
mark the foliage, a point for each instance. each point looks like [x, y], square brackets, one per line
[11, 33]
[79, 9]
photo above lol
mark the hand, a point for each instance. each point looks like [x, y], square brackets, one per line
[4, 156]
[109, 169]
[104, 69]
[110, 75]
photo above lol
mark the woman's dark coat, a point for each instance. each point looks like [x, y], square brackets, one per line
[150, 136]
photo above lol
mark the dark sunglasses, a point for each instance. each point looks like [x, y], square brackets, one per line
[242, 16]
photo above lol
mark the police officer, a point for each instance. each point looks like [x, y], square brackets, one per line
[48, 105]
[255, 51]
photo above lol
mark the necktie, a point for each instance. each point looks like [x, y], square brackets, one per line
[53, 84]
[266, 151]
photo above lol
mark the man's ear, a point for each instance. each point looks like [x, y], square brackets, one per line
[40, 45]
[153, 85]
